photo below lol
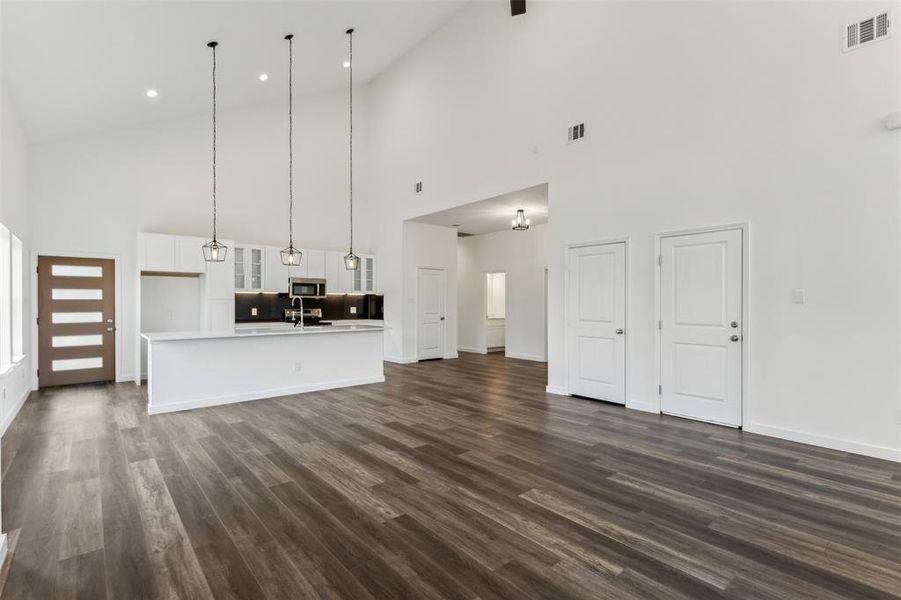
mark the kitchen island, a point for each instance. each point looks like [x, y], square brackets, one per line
[207, 368]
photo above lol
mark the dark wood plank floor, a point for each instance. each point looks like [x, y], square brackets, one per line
[455, 479]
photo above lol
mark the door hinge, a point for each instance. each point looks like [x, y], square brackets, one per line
[660, 260]
[659, 390]
[37, 321]
[660, 325]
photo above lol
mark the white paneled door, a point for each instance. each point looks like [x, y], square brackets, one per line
[596, 322]
[701, 326]
[431, 314]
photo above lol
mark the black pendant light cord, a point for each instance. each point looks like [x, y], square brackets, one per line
[350, 33]
[213, 46]
[290, 39]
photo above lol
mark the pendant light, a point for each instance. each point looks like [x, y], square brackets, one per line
[521, 223]
[291, 256]
[351, 260]
[214, 251]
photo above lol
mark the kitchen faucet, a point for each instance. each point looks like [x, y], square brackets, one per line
[300, 299]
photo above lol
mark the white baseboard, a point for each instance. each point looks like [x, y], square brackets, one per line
[883, 452]
[451, 355]
[559, 391]
[473, 350]
[274, 393]
[643, 406]
[400, 360]
[531, 357]
[4, 549]
[7, 421]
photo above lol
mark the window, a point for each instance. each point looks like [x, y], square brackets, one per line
[496, 301]
[18, 309]
[5, 300]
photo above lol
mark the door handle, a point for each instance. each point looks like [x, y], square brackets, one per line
[619, 332]
[735, 338]
[442, 318]
[733, 324]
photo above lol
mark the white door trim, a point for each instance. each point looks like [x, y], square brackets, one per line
[483, 345]
[419, 270]
[627, 241]
[34, 307]
[745, 228]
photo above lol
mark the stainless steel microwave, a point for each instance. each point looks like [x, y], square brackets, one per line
[302, 287]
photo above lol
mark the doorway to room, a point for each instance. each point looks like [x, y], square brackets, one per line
[494, 253]
[432, 319]
[76, 320]
[701, 325]
[495, 311]
[596, 321]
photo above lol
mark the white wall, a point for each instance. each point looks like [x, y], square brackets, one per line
[425, 246]
[14, 213]
[93, 194]
[522, 256]
[762, 119]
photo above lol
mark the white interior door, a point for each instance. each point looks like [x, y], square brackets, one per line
[431, 313]
[701, 326]
[596, 322]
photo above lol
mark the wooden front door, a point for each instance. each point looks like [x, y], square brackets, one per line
[76, 320]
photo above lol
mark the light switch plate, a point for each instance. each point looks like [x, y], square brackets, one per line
[353, 310]
[253, 311]
[799, 297]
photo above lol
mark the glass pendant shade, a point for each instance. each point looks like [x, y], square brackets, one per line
[351, 261]
[214, 251]
[521, 223]
[291, 256]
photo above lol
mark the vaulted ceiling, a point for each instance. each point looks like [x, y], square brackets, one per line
[76, 67]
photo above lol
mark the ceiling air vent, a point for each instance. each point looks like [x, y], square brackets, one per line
[868, 31]
[576, 132]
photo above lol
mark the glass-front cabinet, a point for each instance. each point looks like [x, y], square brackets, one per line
[249, 268]
[363, 279]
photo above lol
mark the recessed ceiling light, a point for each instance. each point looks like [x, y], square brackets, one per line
[346, 64]
[152, 93]
[264, 77]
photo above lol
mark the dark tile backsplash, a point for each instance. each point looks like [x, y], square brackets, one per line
[271, 307]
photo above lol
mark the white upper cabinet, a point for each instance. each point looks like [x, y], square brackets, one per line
[338, 279]
[162, 253]
[250, 264]
[363, 279]
[252, 268]
[189, 255]
[314, 261]
[276, 274]
[219, 280]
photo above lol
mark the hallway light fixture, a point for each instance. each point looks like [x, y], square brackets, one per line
[214, 251]
[351, 260]
[521, 223]
[291, 256]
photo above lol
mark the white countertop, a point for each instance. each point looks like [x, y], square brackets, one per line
[264, 330]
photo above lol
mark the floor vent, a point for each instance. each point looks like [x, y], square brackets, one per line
[576, 132]
[868, 31]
